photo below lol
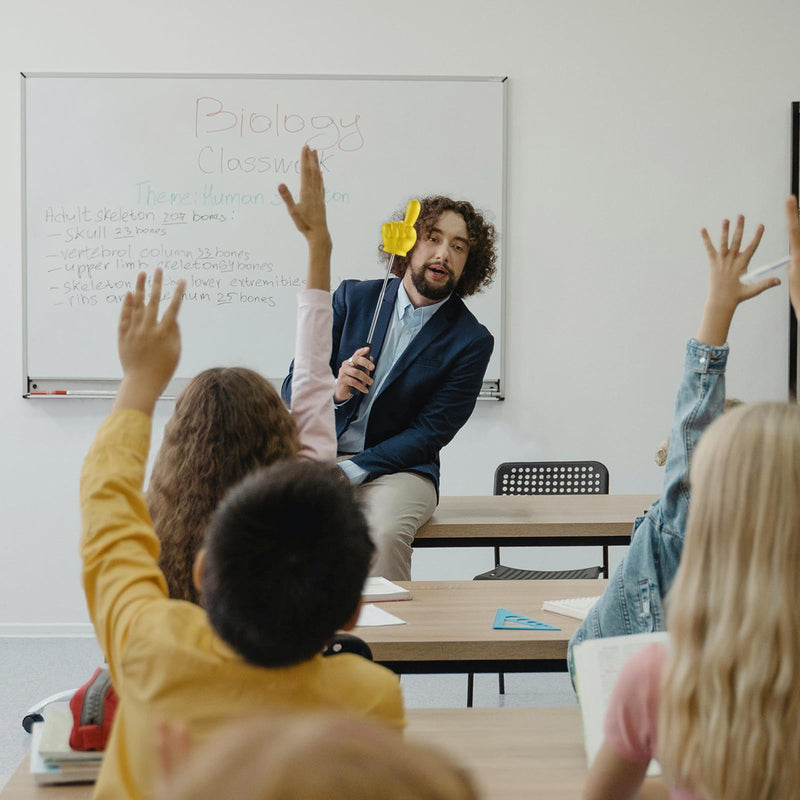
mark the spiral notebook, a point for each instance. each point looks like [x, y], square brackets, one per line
[576, 607]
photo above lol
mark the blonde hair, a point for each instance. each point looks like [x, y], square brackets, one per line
[730, 694]
[663, 449]
[316, 756]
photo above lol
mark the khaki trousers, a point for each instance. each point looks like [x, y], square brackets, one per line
[396, 506]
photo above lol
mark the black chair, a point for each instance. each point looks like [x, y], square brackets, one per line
[348, 643]
[547, 477]
[36, 712]
[544, 477]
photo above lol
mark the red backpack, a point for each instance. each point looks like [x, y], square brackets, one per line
[93, 707]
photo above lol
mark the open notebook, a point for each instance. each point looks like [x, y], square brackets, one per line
[597, 664]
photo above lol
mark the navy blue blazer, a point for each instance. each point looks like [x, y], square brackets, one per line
[428, 394]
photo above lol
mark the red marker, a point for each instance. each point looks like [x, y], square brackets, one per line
[71, 393]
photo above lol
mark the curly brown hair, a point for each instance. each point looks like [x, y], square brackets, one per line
[227, 422]
[480, 267]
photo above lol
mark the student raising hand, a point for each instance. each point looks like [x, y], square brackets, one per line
[308, 215]
[149, 348]
[726, 266]
[717, 554]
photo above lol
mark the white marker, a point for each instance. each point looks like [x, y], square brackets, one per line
[757, 274]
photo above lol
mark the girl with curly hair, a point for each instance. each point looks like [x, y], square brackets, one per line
[229, 421]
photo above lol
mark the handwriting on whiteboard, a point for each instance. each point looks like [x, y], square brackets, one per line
[320, 131]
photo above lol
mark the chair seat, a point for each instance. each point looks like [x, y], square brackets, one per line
[501, 573]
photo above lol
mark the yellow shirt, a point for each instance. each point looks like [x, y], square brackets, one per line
[164, 658]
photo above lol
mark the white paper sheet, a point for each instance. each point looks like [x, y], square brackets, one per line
[373, 616]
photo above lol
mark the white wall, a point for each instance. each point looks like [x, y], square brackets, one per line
[631, 125]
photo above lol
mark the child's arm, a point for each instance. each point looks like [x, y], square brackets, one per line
[148, 349]
[616, 778]
[312, 381]
[308, 215]
[700, 400]
[701, 395]
[118, 545]
[793, 227]
[613, 777]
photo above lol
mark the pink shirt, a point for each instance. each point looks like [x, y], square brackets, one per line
[313, 382]
[631, 724]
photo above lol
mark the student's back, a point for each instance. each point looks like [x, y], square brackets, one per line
[166, 660]
[284, 560]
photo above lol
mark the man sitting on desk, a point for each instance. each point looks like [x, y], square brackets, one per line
[400, 402]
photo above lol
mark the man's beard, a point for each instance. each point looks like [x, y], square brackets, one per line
[429, 290]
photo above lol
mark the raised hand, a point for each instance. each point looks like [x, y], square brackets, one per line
[793, 228]
[308, 213]
[727, 264]
[400, 237]
[149, 348]
[309, 217]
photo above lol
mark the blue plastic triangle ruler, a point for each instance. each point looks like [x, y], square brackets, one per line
[509, 621]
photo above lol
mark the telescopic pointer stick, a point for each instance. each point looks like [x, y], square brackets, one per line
[398, 239]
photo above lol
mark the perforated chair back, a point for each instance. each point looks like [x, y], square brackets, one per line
[544, 477]
[551, 477]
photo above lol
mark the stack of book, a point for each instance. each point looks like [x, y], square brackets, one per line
[53, 760]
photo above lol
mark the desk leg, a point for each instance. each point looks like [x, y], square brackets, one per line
[605, 560]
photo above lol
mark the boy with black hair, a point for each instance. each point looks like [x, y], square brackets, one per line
[259, 648]
[290, 536]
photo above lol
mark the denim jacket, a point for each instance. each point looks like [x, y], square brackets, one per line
[633, 601]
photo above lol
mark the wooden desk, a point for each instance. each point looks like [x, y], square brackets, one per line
[534, 520]
[22, 786]
[510, 752]
[449, 627]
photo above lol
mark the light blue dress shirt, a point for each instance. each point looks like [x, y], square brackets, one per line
[406, 322]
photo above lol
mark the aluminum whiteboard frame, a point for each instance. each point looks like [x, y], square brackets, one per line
[101, 387]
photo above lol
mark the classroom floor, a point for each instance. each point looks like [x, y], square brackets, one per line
[33, 669]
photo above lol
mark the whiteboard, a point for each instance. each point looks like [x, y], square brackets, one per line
[124, 173]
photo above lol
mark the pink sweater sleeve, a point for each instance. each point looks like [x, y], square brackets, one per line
[631, 724]
[312, 381]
